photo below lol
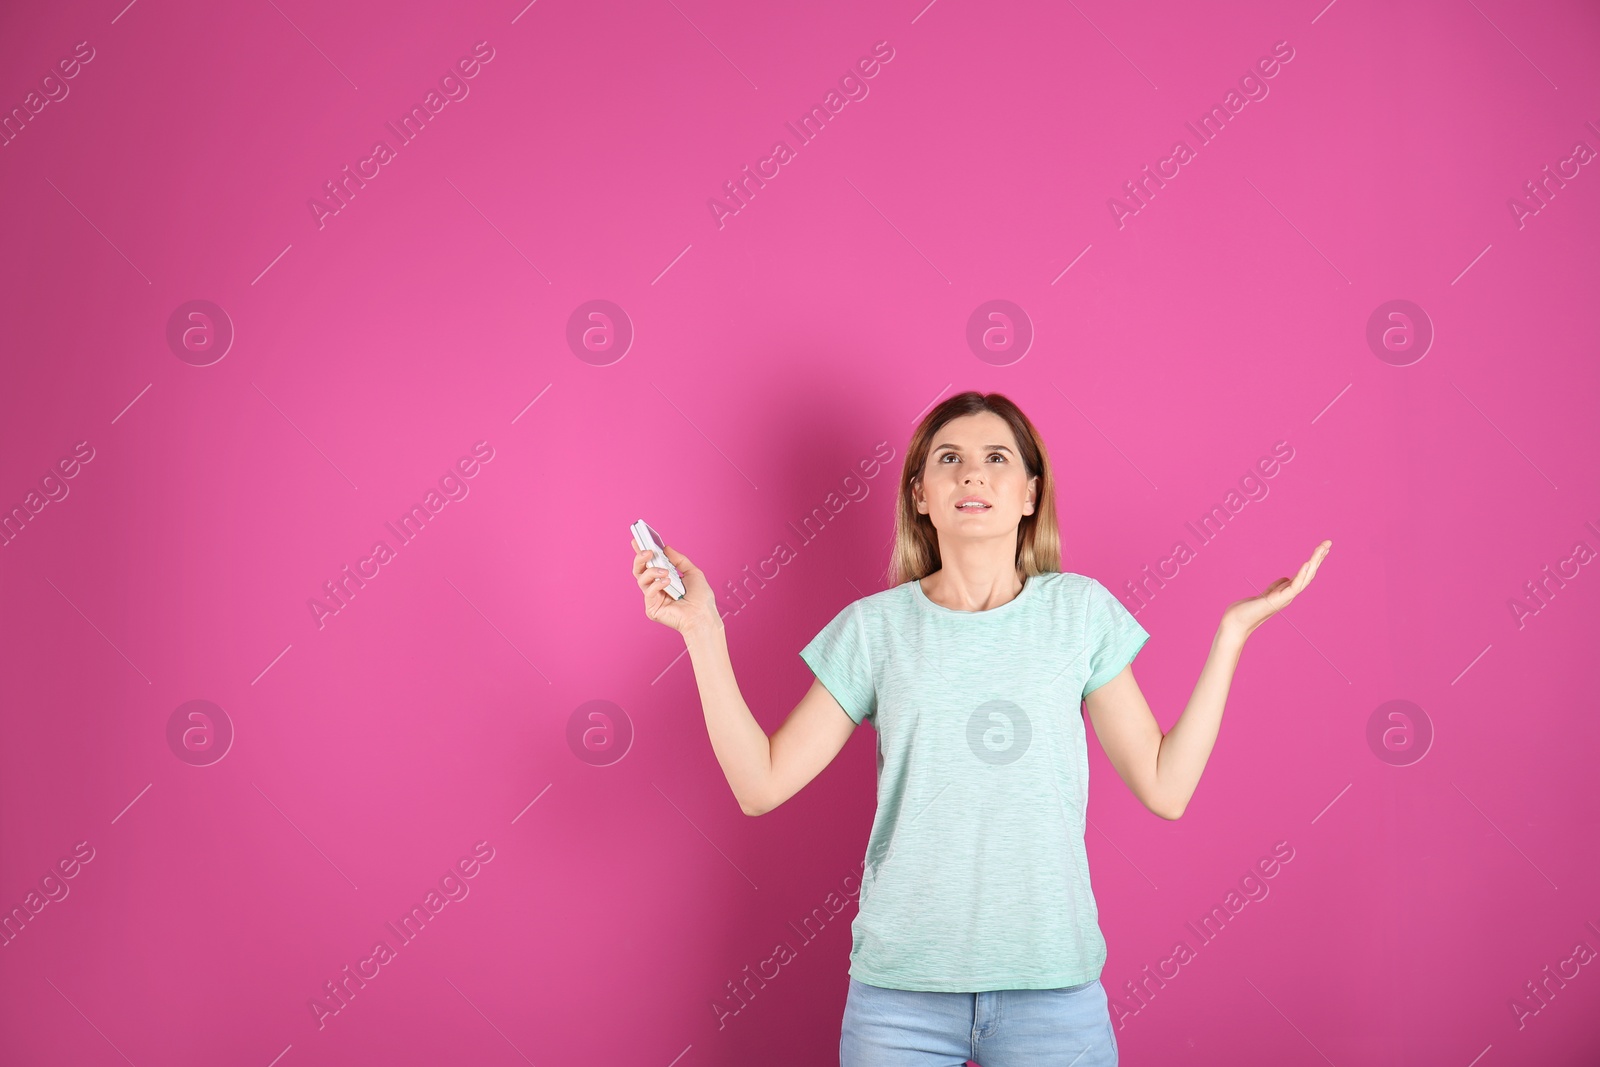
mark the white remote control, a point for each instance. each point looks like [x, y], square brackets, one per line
[647, 538]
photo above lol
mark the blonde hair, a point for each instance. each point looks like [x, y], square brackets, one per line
[916, 542]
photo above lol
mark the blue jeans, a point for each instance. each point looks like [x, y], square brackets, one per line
[1067, 1027]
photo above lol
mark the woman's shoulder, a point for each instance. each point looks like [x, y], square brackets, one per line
[894, 598]
[1071, 584]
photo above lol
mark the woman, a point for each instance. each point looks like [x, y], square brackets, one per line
[977, 935]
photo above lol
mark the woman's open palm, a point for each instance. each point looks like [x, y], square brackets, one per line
[1245, 615]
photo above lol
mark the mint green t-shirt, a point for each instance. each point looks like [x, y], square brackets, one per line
[976, 877]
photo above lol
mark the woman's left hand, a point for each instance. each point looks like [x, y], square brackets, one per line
[1242, 617]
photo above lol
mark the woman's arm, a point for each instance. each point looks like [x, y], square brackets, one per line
[1163, 770]
[740, 743]
[762, 772]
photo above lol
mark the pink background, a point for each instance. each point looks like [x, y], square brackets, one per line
[771, 356]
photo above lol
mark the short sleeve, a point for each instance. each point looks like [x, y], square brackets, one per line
[842, 662]
[1113, 635]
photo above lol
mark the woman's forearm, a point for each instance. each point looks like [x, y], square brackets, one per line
[1187, 746]
[741, 745]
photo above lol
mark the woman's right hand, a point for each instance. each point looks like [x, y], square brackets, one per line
[699, 604]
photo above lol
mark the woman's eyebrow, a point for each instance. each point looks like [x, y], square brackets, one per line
[1002, 448]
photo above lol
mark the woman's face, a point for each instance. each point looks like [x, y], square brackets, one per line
[975, 456]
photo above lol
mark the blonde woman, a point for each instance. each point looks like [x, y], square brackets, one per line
[977, 934]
